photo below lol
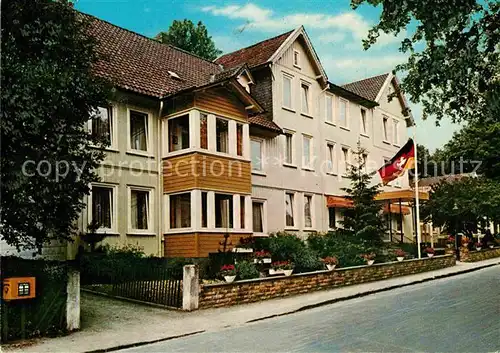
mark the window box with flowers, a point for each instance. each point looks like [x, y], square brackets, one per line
[429, 251]
[450, 242]
[228, 272]
[262, 257]
[400, 254]
[478, 246]
[369, 258]
[245, 245]
[330, 262]
[281, 268]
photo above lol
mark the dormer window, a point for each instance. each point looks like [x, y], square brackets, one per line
[173, 74]
[296, 58]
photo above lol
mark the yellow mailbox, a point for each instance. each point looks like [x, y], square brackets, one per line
[18, 288]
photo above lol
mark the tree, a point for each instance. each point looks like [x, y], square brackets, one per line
[364, 219]
[48, 94]
[453, 67]
[194, 39]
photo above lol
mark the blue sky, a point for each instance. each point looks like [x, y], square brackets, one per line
[334, 28]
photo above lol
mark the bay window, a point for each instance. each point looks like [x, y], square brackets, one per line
[223, 211]
[178, 133]
[180, 210]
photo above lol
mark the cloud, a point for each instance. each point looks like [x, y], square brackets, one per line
[262, 19]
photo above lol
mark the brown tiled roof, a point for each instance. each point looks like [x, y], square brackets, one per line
[141, 64]
[262, 121]
[445, 178]
[254, 55]
[367, 88]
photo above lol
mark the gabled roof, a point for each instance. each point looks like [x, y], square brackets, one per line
[339, 90]
[368, 88]
[262, 121]
[140, 64]
[254, 55]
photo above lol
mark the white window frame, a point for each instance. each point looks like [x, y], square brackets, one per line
[364, 128]
[386, 133]
[149, 146]
[263, 202]
[231, 212]
[290, 77]
[332, 106]
[150, 191]
[113, 131]
[347, 124]
[114, 219]
[296, 64]
[307, 112]
[294, 210]
[262, 155]
[309, 166]
[345, 162]
[395, 132]
[293, 162]
[191, 201]
[312, 210]
[333, 168]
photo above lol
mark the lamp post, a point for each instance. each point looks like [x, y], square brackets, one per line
[458, 239]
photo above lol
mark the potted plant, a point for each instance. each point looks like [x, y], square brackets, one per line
[369, 258]
[262, 257]
[450, 242]
[228, 272]
[490, 245]
[400, 254]
[245, 245]
[281, 267]
[330, 262]
[429, 251]
[465, 242]
[478, 246]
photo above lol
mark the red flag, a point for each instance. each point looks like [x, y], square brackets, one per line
[403, 160]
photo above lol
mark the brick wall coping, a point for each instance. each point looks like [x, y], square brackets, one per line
[305, 274]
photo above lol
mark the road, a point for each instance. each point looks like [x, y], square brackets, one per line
[456, 314]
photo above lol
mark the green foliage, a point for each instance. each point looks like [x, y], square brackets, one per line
[246, 270]
[364, 219]
[454, 62]
[48, 94]
[285, 246]
[194, 39]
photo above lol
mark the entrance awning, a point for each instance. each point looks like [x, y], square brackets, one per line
[338, 201]
[395, 209]
[403, 195]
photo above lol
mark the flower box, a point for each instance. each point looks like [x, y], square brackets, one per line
[266, 260]
[273, 272]
[242, 250]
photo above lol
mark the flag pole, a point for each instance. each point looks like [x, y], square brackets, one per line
[417, 201]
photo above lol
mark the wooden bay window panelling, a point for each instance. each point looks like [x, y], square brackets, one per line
[221, 101]
[205, 171]
[198, 244]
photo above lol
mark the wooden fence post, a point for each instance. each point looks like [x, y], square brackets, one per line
[190, 287]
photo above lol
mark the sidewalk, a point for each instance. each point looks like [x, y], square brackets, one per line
[108, 324]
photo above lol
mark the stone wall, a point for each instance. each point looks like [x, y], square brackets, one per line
[467, 255]
[227, 294]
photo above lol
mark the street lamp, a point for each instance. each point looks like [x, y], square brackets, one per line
[457, 240]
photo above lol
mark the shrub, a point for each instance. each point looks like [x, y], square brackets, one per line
[246, 270]
[286, 246]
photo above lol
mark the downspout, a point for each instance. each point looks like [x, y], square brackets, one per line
[160, 182]
[322, 176]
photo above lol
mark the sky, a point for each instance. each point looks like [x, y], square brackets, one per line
[334, 28]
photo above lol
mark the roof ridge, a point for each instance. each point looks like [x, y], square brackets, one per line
[146, 37]
[257, 43]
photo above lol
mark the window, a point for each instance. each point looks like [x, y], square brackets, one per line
[101, 125]
[304, 92]
[307, 151]
[331, 218]
[204, 131]
[222, 135]
[287, 91]
[365, 162]
[138, 131]
[239, 139]
[180, 210]
[307, 211]
[178, 133]
[345, 160]
[242, 212]
[385, 123]
[258, 216]
[256, 147]
[289, 207]
[343, 112]
[102, 206]
[330, 154]
[288, 147]
[223, 211]
[364, 122]
[204, 210]
[395, 133]
[139, 209]
[329, 108]
[296, 58]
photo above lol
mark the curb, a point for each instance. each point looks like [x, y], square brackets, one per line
[370, 292]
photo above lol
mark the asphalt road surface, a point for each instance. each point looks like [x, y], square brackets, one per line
[456, 314]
